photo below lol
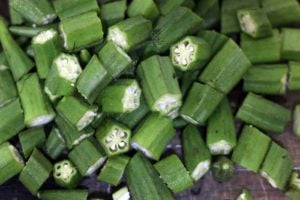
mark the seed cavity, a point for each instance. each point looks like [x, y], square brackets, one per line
[117, 140]
[184, 53]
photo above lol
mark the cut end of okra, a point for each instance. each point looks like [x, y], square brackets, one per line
[295, 181]
[168, 105]
[118, 37]
[201, 169]
[223, 169]
[15, 154]
[270, 180]
[121, 194]
[44, 36]
[95, 166]
[44, 119]
[220, 148]
[65, 174]
[87, 118]
[131, 99]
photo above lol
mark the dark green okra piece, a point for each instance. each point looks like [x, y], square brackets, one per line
[85, 56]
[122, 193]
[290, 45]
[113, 12]
[76, 194]
[294, 76]
[179, 122]
[222, 169]
[209, 10]
[30, 31]
[147, 9]
[245, 195]
[8, 91]
[55, 144]
[15, 17]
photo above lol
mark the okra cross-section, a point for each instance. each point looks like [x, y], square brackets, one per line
[160, 86]
[222, 169]
[114, 137]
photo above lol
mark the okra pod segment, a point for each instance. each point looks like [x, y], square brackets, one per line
[222, 169]
[15, 17]
[121, 194]
[290, 45]
[296, 120]
[209, 10]
[166, 6]
[75, 194]
[293, 188]
[294, 76]
[147, 9]
[30, 31]
[8, 91]
[245, 195]
[55, 144]
[113, 12]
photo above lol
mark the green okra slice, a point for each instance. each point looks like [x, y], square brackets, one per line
[190, 53]
[113, 12]
[81, 31]
[30, 31]
[19, 62]
[162, 94]
[85, 56]
[147, 9]
[113, 137]
[8, 91]
[209, 10]
[245, 195]
[294, 76]
[62, 76]
[226, 68]
[200, 103]
[222, 169]
[37, 108]
[86, 157]
[197, 157]
[277, 167]
[263, 113]
[262, 50]
[174, 174]
[30, 139]
[11, 162]
[130, 32]
[290, 49]
[55, 144]
[153, 135]
[221, 133]
[70, 8]
[254, 22]
[251, 148]
[122, 96]
[143, 181]
[34, 11]
[121, 194]
[65, 174]
[75, 194]
[46, 47]
[36, 172]
[266, 79]
[113, 170]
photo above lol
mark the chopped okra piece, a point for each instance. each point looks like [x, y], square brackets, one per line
[8, 91]
[221, 134]
[87, 157]
[162, 94]
[85, 56]
[263, 50]
[277, 174]
[81, 31]
[190, 53]
[209, 10]
[226, 68]
[251, 148]
[65, 174]
[245, 195]
[294, 181]
[296, 120]
[254, 22]
[11, 162]
[75, 194]
[166, 6]
[174, 174]
[143, 181]
[113, 170]
[30, 31]
[46, 47]
[55, 144]
[14, 16]
[113, 12]
[36, 171]
[121, 194]
[179, 122]
[145, 8]
[290, 49]
[222, 169]
[153, 135]
[263, 113]
[130, 32]
[266, 79]
[35, 11]
[200, 103]
[294, 76]
[62, 76]
[114, 137]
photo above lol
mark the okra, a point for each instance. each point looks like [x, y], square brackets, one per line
[81, 31]
[121, 194]
[294, 77]
[70, 8]
[254, 22]
[209, 10]
[293, 188]
[62, 76]
[30, 139]
[263, 113]
[153, 135]
[99, 118]
[174, 174]
[277, 174]
[15, 17]
[147, 9]
[251, 148]
[222, 169]
[197, 158]
[293, 194]
[166, 6]
[55, 144]
[221, 134]
[35, 172]
[113, 12]
[78, 194]
[8, 91]
[190, 53]
[85, 56]
[3, 60]
[11, 162]
[266, 79]
[263, 50]
[143, 181]
[65, 174]
[37, 108]
[290, 45]
[30, 31]
[35, 11]
[162, 94]
[113, 170]
[200, 103]
[245, 195]
[226, 68]
[179, 122]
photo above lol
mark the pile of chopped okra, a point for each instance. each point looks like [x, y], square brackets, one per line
[101, 88]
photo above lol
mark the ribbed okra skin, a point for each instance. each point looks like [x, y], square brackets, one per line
[153, 135]
[263, 113]
[121, 194]
[245, 195]
[290, 49]
[15, 17]
[221, 134]
[214, 39]
[197, 157]
[296, 120]
[226, 68]
[143, 181]
[251, 148]
[8, 91]
[209, 10]
[35, 172]
[266, 79]
[174, 174]
[113, 12]
[294, 76]
[55, 144]
[160, 86]
[113, 170]
[166, 6]
[75, 194]
[263, 50]
[222, 169]
[147, 9]
[85, 56]
[30, 31]
[277, 174]
[11, 162]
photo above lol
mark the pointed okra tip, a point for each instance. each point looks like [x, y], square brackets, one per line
[131, 98]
